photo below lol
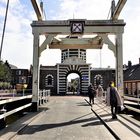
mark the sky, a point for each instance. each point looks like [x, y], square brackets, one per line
[18, 40]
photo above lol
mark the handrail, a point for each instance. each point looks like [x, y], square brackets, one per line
[44, 96]
[132, 108]
[132, 98]
[14, 111]
[15, 99]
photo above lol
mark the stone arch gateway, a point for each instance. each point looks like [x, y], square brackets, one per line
[82, 69]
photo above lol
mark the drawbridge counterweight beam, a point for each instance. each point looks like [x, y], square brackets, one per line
[118, 9]
[37, 9]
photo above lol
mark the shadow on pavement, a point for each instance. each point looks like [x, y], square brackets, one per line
[36, 128]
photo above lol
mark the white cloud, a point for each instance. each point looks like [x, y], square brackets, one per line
[17, 46]
[89, 9]
[50, 57]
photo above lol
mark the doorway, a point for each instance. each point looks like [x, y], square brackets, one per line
[73, 86]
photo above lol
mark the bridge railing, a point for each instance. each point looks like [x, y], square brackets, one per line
[44, 96]
[13, 105]
[132, 103]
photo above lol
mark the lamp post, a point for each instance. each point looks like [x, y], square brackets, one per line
[22, 85]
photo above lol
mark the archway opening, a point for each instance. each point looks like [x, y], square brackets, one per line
[73, 86]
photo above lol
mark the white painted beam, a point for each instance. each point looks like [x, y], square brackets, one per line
[37, 9]
[47, 41]
[90, 27]
[107, 41]
[118, 9]
[85, 43]
[35, 81]
[73, 46]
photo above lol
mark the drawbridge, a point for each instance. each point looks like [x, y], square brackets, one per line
[69, 34]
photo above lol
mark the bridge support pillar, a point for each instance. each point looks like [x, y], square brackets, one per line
[119, 64]
[35, 81]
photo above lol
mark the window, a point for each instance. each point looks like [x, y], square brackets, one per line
[22, 80]
[18, 72]
[98, 80]
[49, 80]
[129, 89]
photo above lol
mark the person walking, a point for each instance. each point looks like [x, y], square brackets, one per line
[100, 93]
[113, 99]
[91, 92]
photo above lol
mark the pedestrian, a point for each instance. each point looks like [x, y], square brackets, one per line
[113, 99]
[100, 93]
[91, 94]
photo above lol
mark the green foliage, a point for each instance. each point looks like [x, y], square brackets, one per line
[74, 84]
[5, 85]
[5, 72]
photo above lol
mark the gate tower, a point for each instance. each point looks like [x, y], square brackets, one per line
[73, 61]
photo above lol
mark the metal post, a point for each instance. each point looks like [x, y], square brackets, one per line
[43, 97]
[4, 28]
[57, 78]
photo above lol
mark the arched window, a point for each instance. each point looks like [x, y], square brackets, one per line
[49, 80]
[98, 80]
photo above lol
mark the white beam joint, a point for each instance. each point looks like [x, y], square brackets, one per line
[107, 41]
[46, 42]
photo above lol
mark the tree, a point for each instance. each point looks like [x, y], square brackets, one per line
[5, 72]
[74, 84]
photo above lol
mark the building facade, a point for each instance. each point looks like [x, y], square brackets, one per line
[73, 61]
[132, 80]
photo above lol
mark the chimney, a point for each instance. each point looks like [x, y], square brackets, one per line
[139, 60]
[129, 64]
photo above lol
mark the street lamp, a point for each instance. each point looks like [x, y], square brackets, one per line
[22, 85]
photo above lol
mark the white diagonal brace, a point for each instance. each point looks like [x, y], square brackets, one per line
[107, 41]
[46, 42]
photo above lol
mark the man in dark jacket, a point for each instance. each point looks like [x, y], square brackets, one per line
[91, 93]
[113, 102]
